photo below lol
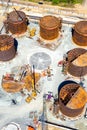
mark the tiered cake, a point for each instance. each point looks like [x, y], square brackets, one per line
[7, 48]
[17, 22]
[72, 99]
[49, 27]
[77, 62]
[79, 34]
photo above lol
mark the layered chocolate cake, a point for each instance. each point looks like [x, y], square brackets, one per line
[16, 22]
[79, 34]
[72, 99]
[7, 48]
[49, 27]
[77, 62]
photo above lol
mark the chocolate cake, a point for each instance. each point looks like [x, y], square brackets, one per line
[79, 34]
[72, 99]
[77, 62]
[49, 27]
[16, 22]
[7, 48]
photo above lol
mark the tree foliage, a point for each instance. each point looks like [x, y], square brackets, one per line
[55, 1]
[65, 1]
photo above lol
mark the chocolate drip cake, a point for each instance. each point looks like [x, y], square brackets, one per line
[72, 99]
[77, 62]
[49, 27]
[79, 34]
[16, 22]
[7, 48]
